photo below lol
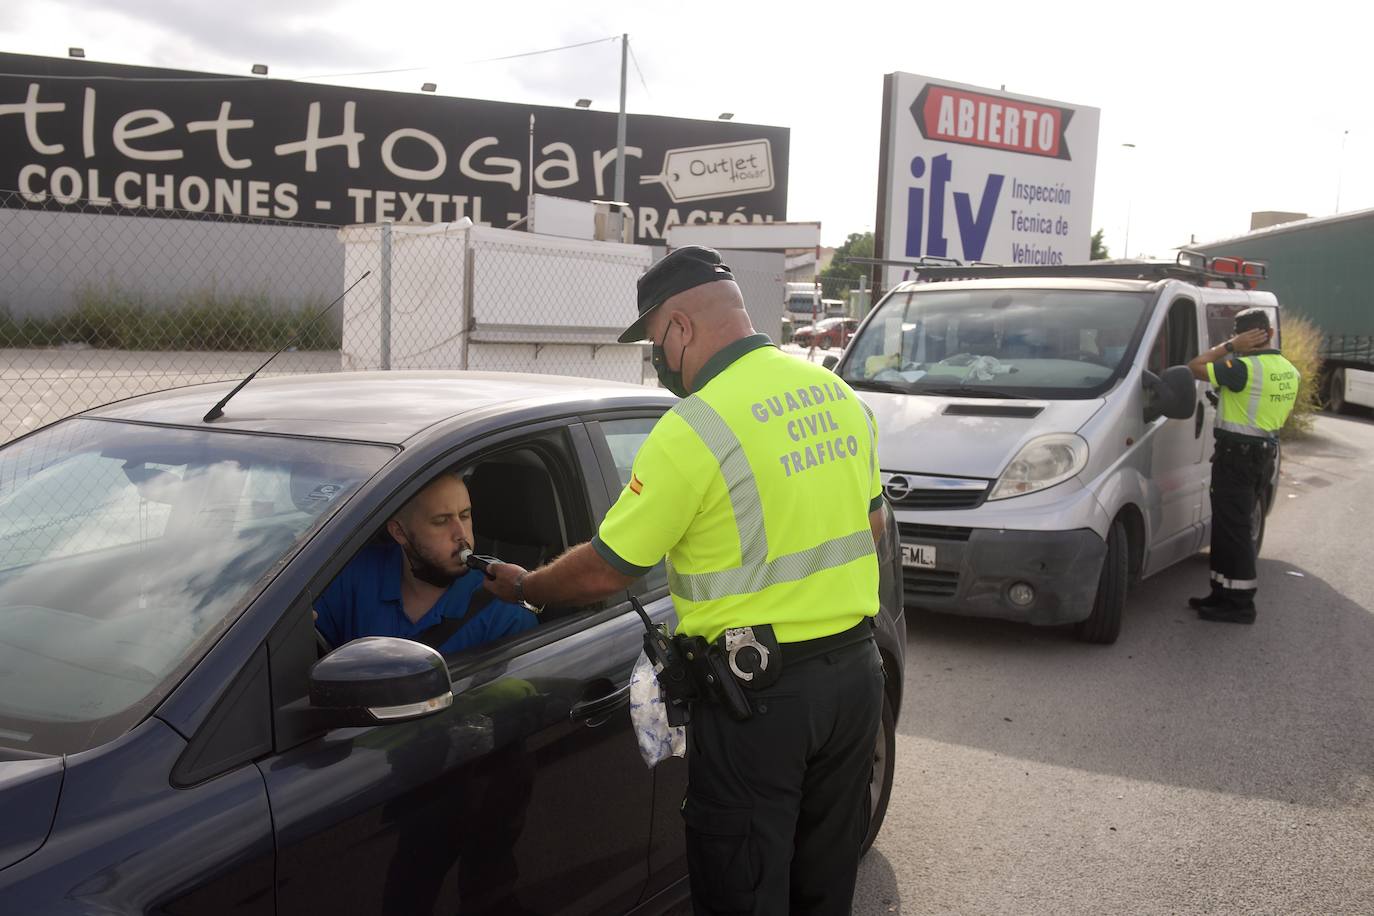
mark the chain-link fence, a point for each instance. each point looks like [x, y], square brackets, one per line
[95, 306]
[823, 314]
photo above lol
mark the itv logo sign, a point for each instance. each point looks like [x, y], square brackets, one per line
[928, 211]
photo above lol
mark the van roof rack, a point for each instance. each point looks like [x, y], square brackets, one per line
[1193, 266]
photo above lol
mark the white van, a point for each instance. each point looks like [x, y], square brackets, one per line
[1025, 432]
[802, 300]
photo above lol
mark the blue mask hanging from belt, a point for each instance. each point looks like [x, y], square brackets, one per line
[669, 378]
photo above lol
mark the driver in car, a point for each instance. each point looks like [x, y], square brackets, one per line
[414, 584]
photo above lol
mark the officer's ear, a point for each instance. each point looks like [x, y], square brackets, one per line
[684, 323]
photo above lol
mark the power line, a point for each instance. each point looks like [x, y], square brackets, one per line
[484, 60]
[254, 79]
[635, 61]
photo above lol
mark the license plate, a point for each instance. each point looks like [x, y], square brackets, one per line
[922, 555]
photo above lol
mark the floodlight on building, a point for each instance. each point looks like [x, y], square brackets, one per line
[259, 69]
[428, 87]
[726, 115]
[76, 52]
[583, 103]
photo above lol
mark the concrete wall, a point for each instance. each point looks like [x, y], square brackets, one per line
[47, 259]
[760, 278]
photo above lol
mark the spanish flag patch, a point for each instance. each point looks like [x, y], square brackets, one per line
[636, 486]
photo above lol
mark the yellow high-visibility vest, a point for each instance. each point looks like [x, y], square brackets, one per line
[757, 487]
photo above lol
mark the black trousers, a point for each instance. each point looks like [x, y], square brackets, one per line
[777, 806]
[1240, 470]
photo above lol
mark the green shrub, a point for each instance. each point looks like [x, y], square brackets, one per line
[1302, 342]
[120, 319]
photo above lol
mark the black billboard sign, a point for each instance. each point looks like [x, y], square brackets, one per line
[80, 134]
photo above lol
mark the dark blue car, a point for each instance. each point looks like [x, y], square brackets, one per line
[175, 737]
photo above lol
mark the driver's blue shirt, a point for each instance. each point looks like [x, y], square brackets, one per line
[365, 600]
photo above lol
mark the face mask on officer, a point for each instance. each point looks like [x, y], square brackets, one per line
[671, 379]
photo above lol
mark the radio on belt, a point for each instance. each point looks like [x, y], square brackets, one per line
[670, 667]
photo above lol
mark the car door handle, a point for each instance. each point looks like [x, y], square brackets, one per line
[601, 706]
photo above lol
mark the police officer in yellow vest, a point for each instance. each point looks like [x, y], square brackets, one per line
[761, 486]
[1257, 388]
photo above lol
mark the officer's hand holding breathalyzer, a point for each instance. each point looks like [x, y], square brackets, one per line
[503, 580]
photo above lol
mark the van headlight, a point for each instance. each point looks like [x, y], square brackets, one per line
[1042, 463]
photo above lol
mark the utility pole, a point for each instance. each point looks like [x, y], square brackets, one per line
[1340, 169]
[620, 124]
[1126, 246]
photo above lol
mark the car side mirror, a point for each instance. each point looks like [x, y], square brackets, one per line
[830, 362]
[1172, 395]
[379, 679]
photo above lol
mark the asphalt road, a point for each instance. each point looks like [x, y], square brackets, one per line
[1192, 767]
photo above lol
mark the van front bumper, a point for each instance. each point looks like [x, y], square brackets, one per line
[975, 569]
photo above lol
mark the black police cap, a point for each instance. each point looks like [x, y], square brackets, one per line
[675, 273]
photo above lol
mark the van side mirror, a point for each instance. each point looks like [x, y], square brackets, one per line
[379, 679]
[830, 362]
[1172, 395]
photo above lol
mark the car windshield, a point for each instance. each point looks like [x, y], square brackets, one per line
[125, 550]
[1019, 343]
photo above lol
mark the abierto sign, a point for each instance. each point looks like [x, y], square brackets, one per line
[971, 174]
[100, 137]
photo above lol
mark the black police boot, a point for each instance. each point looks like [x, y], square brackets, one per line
[1212, 600]
[1229, 612]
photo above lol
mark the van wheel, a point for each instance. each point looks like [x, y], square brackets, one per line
[1104, 623]
[884, 767]
[1335, 398]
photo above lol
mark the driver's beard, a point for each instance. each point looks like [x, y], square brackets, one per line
[425, 569]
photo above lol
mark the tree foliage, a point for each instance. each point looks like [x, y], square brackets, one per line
[858, 245]
[1099, 251]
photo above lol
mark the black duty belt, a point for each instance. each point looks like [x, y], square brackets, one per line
[1247, 444]
[796, 652]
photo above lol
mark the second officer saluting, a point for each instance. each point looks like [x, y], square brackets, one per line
[761, 487]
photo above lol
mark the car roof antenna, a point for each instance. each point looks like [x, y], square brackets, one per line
[218, 410]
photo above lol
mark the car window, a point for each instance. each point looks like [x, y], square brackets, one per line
[126, 549]
[517, 503]
[624, 438]
[1176, 342]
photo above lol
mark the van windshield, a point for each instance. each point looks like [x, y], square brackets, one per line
[1045, 343]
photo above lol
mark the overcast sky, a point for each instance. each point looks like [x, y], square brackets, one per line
[1232, 107]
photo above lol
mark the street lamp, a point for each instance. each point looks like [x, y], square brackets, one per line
[1126, 252]
[428, 87]
[725, 115]
[76, 52]
[583, 103]
[259, 69]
